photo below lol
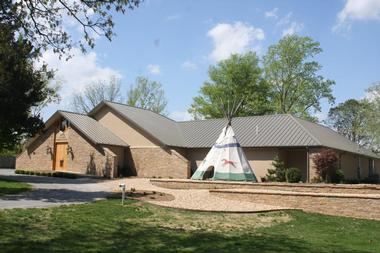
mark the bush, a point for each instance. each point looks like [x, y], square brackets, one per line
[326, 163]
[278, 173]
[337, 177]
[293, 175]
[374, 179]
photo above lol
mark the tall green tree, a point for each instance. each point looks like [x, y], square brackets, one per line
[292, 73]
[373, 116]
[147, 94]
[350, 119]
[42, 22]
[96, 92]
[23, 87]
[238, 78]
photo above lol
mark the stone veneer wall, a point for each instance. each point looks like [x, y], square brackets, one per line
[159, 162]
[36, 155]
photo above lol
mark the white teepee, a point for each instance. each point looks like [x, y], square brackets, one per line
[226, 160]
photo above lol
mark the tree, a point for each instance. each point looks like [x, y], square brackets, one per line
[95, 93]
[326, 164]
[236, 79]
[373, 117]
[292, 75]
[41, 22]
[350, 119]
[23, 87]
[148, 95]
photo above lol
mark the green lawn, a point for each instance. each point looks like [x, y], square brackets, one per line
[12, 187]
[106, 226]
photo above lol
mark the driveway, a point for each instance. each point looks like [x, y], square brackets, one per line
[53, 191]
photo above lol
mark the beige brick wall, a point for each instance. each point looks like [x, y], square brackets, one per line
[159, 162]
[35, 156]
[349, 164]
[86, 158]
[261, 160]
[128, 132]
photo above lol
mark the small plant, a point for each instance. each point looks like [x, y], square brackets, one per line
[326, 163]
[278, 173]
[337, 177]
[133, 189]
[293, 175]
[373, 179]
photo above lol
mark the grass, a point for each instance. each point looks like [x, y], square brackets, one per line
[12, 187]
[106, 226]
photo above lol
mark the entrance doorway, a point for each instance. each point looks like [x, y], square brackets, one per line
[60, 156]
[209, 173]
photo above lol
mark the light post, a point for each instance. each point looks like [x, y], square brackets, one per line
[122, 188]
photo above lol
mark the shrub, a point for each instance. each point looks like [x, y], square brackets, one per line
[337, 177]
[293, 175]
[326, 163]
[278, 173]
[374, 179]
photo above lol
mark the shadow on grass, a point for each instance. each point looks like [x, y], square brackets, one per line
[63, 196]
[49, 180]
[129, 238]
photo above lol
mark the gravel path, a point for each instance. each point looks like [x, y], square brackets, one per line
[194, 199]
[51, 191]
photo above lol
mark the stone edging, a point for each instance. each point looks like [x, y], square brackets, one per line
[299, 194]
[301, 185]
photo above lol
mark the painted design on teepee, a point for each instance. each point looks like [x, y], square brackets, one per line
[226, 162]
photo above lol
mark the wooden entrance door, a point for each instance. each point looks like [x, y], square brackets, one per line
[61, 156]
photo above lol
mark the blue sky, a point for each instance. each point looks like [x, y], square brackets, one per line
[174, 42]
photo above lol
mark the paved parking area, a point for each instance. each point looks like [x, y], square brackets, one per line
[52, 191]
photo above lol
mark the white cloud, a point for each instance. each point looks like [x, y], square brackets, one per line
[293, 28]
[272, 13]
[180, 116]
[233, 38]
[78, 71]
[356, 10]
[189, 65]
[154, 69]
[285, 20]
[289, 26]
[173, 17]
